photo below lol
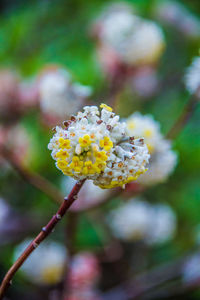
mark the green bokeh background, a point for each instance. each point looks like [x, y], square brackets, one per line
[34, 33]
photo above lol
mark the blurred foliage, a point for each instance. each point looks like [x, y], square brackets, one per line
[34, 33]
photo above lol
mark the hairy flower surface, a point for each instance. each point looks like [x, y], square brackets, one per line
[95, 145]
[163, 158]
[46, 265]
[140, 220]
[192, 77]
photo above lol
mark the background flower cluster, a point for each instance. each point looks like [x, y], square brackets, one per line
[55, 58]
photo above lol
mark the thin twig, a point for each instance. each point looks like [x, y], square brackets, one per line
[41, 236]
[183, 118]
[33, 179]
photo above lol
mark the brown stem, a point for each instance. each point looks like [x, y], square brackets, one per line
[183, 118]
[41, 236]
[33, 179]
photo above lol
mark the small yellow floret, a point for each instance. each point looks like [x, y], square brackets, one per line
[76, 164]
[106, 107]
[62, 164]
[89, 168]
[64, 144]
[106, 143]
[101, 155]
[62, 154]
[100, 164]
[85, 141]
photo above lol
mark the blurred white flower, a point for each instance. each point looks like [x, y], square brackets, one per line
[175, 14]
[147, 127]
[163, 159]
[89, 195]
[137, 219]
[59, 97]
[161, 165]
[46, 265]
[145, 45]
[163, 224]
[131, 220]
[135, 40]
[191, 269]
[192, 77]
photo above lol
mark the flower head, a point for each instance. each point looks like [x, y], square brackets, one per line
[192, 77]
[131, 220]
[134, 41]
[137, 219]
[95, 145]
[163, 158]
[59, 96]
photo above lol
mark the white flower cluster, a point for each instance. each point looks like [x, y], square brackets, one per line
[95, 145]
[140, 220]
[192, 77]
[135, 40]
[46, 265]
[85, 202]
[163, 158]
[175, 14]
[60, 97]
